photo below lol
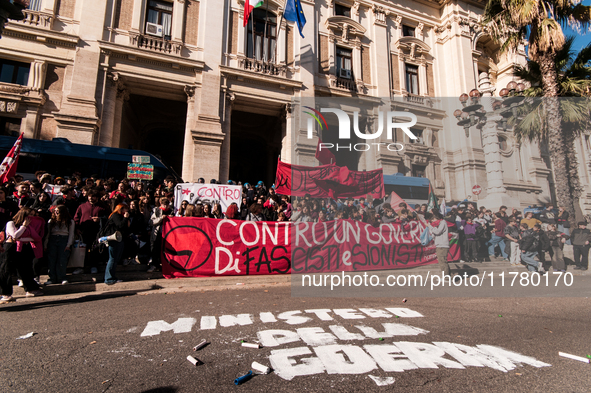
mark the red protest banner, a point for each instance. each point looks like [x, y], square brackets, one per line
[328, 181]
[199, 247]
[348, 245]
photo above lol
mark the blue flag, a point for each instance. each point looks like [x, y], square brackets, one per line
[294, 13]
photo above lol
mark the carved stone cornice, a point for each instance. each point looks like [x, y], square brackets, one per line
[345, 27]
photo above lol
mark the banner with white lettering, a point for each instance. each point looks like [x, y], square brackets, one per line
[197, 247]
[207, 193]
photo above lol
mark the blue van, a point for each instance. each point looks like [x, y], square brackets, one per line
[62, 158]
[414, 190]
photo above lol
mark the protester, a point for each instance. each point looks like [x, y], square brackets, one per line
[470, 240]
[580, 238]
[548, 216]
[19, 254]
[160, 212]
[58, 243]
[557, 241]
[439, 231]
[529, 245]
[21, 195]
[42, 205]
[563, 224]
[512, 234]
[256, 213]
[88, 222]
[118, 222]
[498, 237]
[530, 220]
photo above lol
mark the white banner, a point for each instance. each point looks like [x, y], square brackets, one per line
[195, 193]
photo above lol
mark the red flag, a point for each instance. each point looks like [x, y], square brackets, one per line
[328, 181]
[324, 156]
[394, 200]
[8, 166]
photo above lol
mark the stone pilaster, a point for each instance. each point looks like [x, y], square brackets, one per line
[227, 130]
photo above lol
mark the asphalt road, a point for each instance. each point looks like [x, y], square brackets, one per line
[100, 343]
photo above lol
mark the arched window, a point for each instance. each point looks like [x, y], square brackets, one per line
[265, 35]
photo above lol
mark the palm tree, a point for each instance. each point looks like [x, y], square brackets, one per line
[574, 80]
[510, 22]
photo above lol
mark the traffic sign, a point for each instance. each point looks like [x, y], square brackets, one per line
[476, 189]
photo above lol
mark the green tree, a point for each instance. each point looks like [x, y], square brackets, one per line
[537, 23]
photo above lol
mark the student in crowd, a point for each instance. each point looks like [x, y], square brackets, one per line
[498, 237]
[19, 254]
[160, 212]
[581, 238]
[557, 241]
[512, 235]
[118, 222]
[58, 243]
[530, 220]
[529, 246]
[439, 231]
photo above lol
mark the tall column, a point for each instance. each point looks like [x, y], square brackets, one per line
[122, 96]
[189, 145]
[227, 130]
[496, 192]
[77, 118]
[108, 116]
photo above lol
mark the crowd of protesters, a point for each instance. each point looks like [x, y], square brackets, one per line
[39, 232]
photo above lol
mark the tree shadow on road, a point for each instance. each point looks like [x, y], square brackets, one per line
[78, 300]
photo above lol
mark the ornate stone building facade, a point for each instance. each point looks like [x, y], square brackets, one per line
[184, 79]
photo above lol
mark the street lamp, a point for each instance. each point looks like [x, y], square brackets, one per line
[474, 114]
[11, 9]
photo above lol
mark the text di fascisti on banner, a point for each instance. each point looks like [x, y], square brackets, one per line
[197, 247]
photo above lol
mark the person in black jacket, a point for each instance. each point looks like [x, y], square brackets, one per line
[557, 240]
[118, 221]
[581, 239]
[562, 222]
[21, 196]
[529, 245]
[42, 205]
[544, 243]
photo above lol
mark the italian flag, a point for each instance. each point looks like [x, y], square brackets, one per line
[250, 5]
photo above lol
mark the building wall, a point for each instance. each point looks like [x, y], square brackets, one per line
[89, 57]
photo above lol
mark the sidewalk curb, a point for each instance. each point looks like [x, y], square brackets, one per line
[143, 281]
